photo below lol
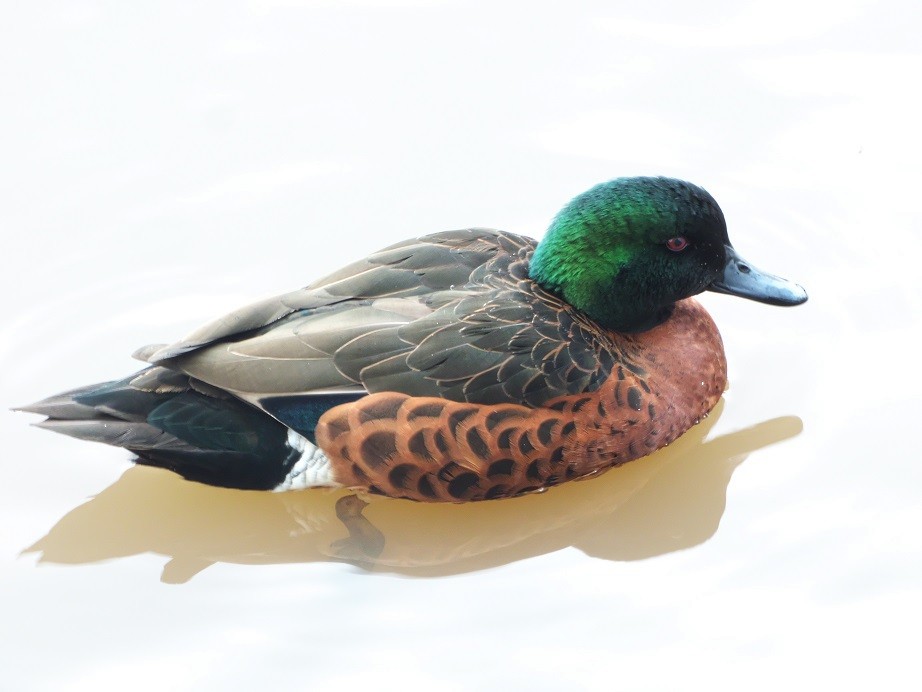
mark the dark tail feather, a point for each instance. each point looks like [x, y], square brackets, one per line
[168, 421]
[63, 405]
[138, 437]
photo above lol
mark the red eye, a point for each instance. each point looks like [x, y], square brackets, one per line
[677, 244]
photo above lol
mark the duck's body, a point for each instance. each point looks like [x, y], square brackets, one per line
[446, 368]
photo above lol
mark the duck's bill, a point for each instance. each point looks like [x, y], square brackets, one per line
[742, 279]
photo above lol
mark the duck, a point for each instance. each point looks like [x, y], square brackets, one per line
[458, 366]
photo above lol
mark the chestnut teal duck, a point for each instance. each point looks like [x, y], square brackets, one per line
[458, 366]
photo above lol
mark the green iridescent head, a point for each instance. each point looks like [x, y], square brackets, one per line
[625, 251]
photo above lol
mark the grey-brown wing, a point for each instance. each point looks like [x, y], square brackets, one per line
[417, 267]
[495, 338]
[296, 355]
[512, 343]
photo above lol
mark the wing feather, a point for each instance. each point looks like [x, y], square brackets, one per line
[452, 315]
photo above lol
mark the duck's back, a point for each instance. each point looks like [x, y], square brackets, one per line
[451, 315]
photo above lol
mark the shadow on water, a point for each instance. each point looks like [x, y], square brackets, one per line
[671, 500]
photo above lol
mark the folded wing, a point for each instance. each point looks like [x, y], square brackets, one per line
[452, 315]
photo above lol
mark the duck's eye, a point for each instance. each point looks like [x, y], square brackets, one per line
[677, 244]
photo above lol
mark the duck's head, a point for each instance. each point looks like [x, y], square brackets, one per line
[625, 251]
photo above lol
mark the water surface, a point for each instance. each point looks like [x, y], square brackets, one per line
[164, 165]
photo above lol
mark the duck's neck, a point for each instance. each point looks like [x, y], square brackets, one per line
[597, 277]
[616, 313]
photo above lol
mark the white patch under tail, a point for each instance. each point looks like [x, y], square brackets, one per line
[311, 470]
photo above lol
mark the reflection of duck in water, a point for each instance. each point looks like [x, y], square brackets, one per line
[458, 366]
[672, 500]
